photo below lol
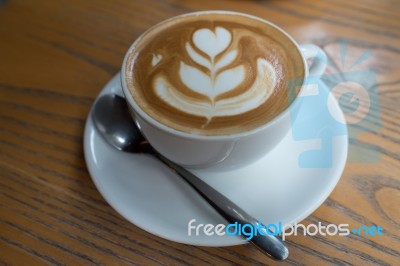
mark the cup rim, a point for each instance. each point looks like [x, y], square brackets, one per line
[187, 135]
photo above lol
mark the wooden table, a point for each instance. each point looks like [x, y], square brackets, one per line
[55, 57]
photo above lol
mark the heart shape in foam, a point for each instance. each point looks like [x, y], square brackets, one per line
[156, 59]
[212, 43]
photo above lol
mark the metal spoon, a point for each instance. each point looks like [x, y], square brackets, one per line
[112, 119]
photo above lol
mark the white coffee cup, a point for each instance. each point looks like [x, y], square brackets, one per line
[226, 151]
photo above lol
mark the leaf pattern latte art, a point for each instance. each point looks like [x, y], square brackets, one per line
[217, 80]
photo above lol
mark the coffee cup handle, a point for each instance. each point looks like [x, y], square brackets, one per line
[311, 51]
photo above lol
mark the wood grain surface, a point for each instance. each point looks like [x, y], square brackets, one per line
[55, 57]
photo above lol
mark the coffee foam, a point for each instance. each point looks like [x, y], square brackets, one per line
[213, 74]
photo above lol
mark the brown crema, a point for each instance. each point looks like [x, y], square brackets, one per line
[163, 49]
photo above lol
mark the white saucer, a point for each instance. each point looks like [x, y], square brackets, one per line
[152, 197]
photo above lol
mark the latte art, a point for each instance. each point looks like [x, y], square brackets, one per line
[220, 77]
[213, 74]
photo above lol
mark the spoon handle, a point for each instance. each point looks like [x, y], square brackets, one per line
[269, 244]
